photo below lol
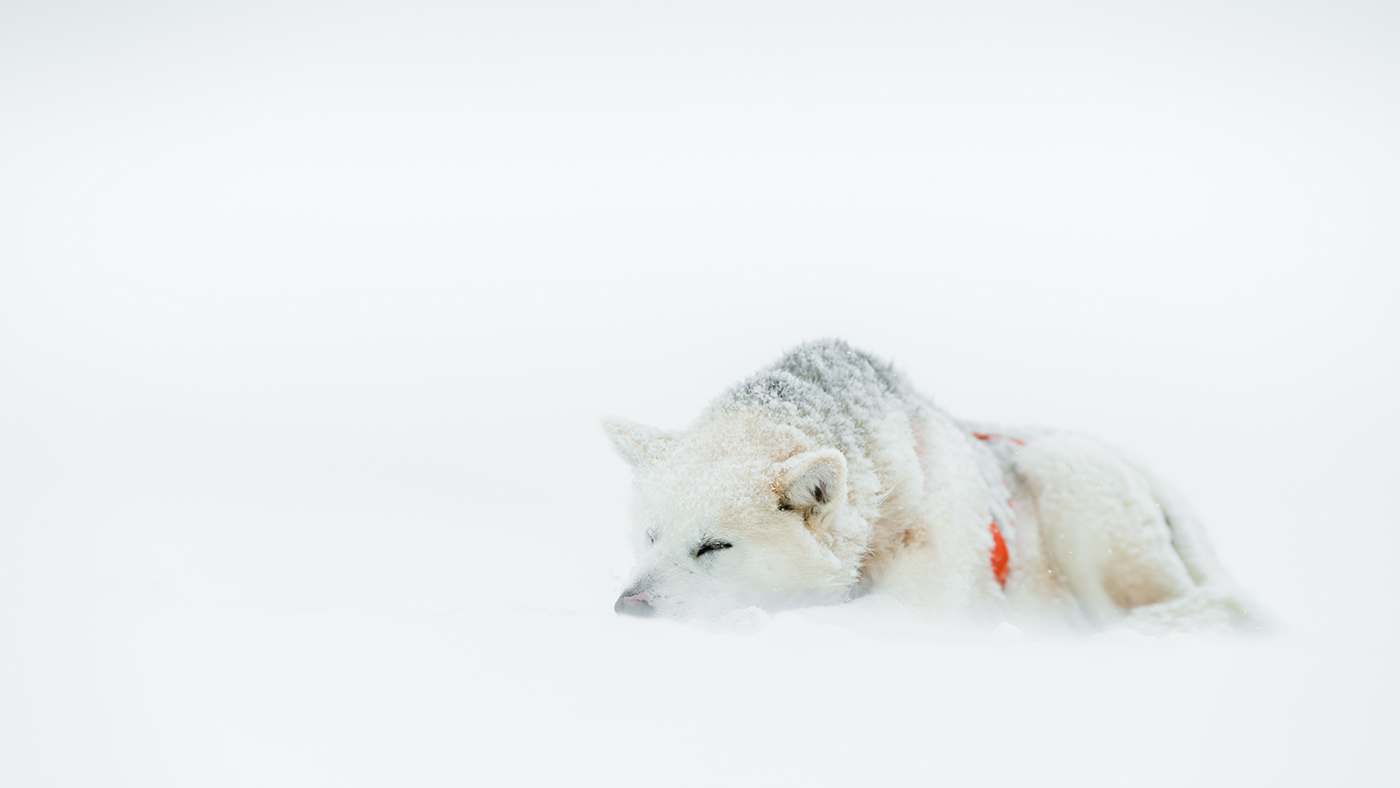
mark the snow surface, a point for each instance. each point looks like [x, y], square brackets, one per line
[309, 312]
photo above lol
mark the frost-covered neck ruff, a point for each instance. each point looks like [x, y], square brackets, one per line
[840, 397]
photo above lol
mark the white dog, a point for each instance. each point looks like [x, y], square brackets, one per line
[827, 476]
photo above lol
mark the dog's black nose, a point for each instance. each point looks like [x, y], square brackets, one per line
[634, 605]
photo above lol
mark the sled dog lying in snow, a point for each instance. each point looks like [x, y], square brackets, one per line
[827, 476]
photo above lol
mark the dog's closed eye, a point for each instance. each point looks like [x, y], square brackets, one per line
[710, 547]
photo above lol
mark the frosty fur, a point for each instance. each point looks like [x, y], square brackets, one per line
[826, 477]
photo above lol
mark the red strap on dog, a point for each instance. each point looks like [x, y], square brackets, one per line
[986, 436]
[999, 555]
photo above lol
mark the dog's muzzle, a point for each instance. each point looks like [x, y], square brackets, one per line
[634, 604]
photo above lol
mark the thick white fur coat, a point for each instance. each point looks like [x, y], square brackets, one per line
[827, 476]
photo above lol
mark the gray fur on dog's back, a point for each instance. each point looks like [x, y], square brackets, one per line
[828, 389]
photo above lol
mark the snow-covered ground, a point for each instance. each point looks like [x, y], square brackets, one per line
[309, 312]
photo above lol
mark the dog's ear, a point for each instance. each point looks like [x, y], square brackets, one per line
[637, 443]
[813, 483]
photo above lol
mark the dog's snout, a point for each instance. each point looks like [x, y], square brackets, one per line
[634, 605]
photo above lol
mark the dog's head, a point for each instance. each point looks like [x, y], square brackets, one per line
[736, 513]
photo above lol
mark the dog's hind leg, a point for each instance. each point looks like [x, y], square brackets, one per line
[1188, 535]
[1217, 601]
[1102, 527]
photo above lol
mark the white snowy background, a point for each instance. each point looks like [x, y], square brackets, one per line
[309, 312]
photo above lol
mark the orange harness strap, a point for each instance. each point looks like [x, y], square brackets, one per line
[1000, 556]
[986, 436]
